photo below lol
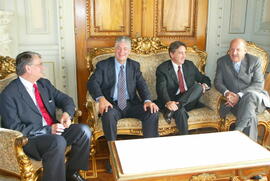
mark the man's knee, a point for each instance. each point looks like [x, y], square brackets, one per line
[58, 143]
[250, 97]
[82, 128]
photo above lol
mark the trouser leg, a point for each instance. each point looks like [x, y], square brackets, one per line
[181, 119]
[51, 150]
[191, 96]
[149, 120]
[109, 123]
[246, 114]
[78, 136]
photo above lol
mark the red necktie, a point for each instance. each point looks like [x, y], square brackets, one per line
[180, 80]
[41, 106]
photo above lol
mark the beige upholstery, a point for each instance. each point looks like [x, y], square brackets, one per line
[264, 117]
[14, 164]
[149, 52]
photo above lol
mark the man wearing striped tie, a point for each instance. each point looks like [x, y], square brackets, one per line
[28, 104]
[115, 84]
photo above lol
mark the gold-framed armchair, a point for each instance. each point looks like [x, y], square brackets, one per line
[14, 163]
[263, 118]
[150, 52]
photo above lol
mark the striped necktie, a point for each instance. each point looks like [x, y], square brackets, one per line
[121, 99]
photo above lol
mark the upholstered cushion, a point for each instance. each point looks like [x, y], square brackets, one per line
[8, 161]
[4, 82]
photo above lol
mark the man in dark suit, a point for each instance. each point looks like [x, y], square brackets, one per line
[179, 86]
[28, 104]
[240, 79]
[115, 84]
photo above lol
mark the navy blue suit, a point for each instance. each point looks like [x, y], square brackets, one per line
[102, 82]
[19, 112]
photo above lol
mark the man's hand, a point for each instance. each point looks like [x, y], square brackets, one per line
[204, 87]
[104, 105]
[232, 99]
[172, 105]
[65, 120]
[57, 128]
[152, 106]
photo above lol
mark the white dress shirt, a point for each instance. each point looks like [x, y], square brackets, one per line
[31, 91]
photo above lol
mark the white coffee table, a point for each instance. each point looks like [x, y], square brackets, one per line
[213, 155]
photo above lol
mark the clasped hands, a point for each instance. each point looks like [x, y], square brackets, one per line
[104, 105]
[65, 122]
[231, 99]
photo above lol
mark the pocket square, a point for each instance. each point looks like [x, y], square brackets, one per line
[50, 101]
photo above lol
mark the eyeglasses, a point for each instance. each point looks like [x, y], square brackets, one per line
[40, 64]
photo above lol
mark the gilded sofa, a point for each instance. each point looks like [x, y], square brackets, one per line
[14, 163]
[150, 52]
[264, 118]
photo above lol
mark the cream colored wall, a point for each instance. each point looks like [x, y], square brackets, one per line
[46, 27]
[229, 19]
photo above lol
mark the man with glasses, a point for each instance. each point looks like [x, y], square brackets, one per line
[28, 104]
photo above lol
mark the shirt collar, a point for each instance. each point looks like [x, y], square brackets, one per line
[175, 66]
[117, 64]
[26, 83]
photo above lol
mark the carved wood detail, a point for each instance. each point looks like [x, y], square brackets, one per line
[176, 18]
[110, 18]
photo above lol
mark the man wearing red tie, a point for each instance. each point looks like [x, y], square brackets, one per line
[179, 86]
[28, 104]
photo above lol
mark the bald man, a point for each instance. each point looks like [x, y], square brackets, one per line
[240, 79]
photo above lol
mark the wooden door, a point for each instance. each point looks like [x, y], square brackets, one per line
[98, 22]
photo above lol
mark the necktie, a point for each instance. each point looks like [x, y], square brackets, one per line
[121, 99]
[237, 67]
[41, 106]
[181, 80]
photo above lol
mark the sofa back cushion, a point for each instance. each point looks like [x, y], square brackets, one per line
[150, 53]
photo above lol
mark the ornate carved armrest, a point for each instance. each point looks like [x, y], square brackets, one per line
[212, 99]
[92, 109]
[13, 159]
[78, 113]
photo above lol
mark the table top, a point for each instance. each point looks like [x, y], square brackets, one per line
[187, 154]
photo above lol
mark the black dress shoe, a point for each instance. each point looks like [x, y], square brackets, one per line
[256, 177]
[75, 177]
[168, 115]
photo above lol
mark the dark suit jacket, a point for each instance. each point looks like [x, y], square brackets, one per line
[167, 82]
[19, 112]
[102, 81]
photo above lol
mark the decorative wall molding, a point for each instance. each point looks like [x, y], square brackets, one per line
[262, 17]
[37, 16]
[238, 17]
[175, 26]
[5, 40]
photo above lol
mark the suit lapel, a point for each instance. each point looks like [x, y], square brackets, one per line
[45, 97]
[128, 75]
[172, 73]
[111, 74]
[26, 97]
